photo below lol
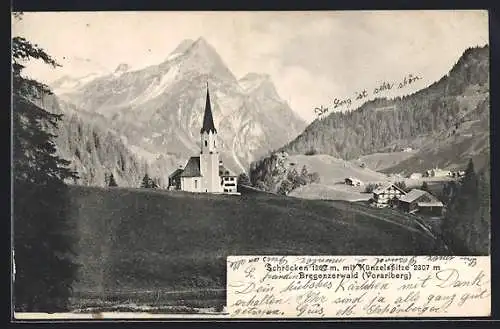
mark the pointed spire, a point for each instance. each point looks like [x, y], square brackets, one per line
[208, 121]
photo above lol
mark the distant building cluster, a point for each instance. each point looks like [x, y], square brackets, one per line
[437, 172]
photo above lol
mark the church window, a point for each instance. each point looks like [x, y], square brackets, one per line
[206, 143]
[195, 183]
[214, 143]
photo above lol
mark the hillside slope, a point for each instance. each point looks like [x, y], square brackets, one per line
[417, 120]
[381, 161]
[452, 150]
[270, 173]
[96, 151]
[133, 241]
[332, 170]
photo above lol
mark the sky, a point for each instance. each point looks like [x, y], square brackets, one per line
[313, 58]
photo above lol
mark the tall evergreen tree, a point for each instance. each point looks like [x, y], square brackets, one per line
[243, 179]
[462, 213]
[402, 185]
[425, 187]
[154, 182]
[112, 182]
[146, 181]
[44, 272]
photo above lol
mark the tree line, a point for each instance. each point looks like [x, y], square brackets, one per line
[467, 223]
[269, 174]
[146, 182]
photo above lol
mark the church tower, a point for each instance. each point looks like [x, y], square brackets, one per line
[209, 156]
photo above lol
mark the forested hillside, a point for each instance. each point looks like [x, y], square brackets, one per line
[390, 124]
[94, 150]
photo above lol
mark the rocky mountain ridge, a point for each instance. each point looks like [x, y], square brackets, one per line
[156, 112]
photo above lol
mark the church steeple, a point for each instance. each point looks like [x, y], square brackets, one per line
[208, 121]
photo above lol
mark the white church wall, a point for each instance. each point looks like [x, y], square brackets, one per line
[191, 184]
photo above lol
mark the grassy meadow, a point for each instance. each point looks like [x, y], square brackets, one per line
[155, 247]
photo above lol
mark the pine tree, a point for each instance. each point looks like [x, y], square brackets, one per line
[458, 226]
[44, 271]
[155, 183]
[483, 225]
[112, 182]
[285, 187]
[243, 179]
[146, 181]
[401, 185]
[470, 181]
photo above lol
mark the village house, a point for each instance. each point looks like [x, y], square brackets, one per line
[205, 173]
[353, 181]
[174, 180]
[386, 195]
[421, 201]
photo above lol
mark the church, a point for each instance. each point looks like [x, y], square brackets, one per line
[205, 173]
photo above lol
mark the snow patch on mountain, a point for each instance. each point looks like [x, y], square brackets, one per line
[180, 49]
[122, 68]
[174, 56]
[67, 83]
[157, 87]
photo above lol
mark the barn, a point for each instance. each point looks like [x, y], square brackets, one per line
[421, 201]
[353, 181]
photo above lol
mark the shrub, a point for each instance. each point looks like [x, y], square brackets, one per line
[402, 185]
[371, 187]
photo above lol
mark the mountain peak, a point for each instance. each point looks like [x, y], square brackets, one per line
[201, 40]
[122, 67]
[182, 47]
